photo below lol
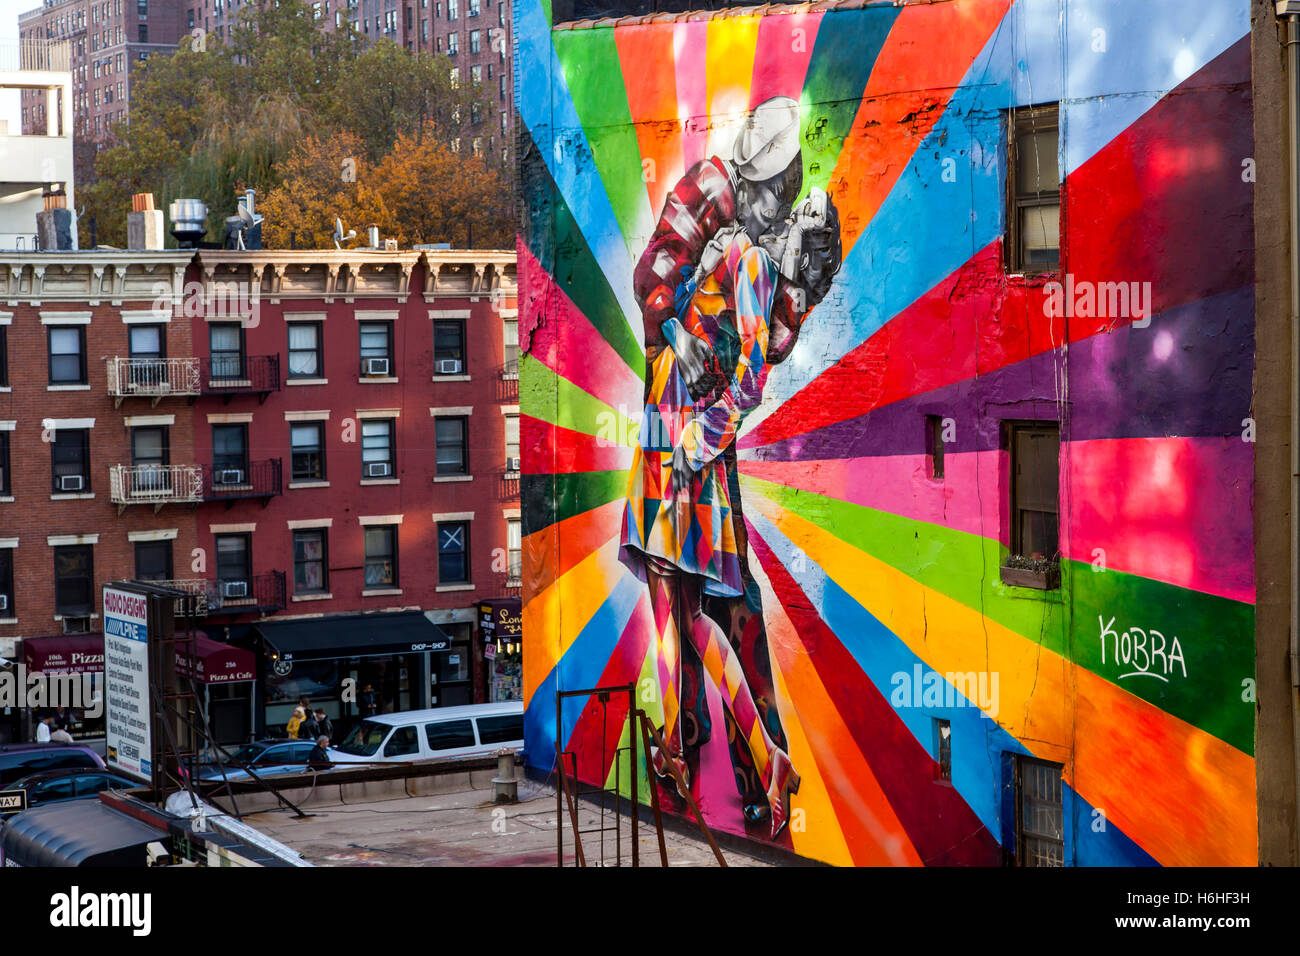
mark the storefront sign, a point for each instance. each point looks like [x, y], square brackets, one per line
[501, 620]
[126, 671]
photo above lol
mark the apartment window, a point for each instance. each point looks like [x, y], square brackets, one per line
[1040, 813]
[1034, 190]
[7, 583]
[472, 8]
[304, 350]
[452, 43]
[512, 443]
[377, 448]
[453, 553]
[147, 345]
[437, 44]
[511, 327]
[501, 14]
[230, 453]
[4, 356]
[476, 74]
[943, 747]
[143, 33]
[74, 581]
[424, 31]
[149, 458]
[67, 354]
[233, 562]
[310, 573]
[934, 444]
[6, 487]
[226, 346]
[189, 19]
[501, 94]
[452, 452]
[452, 6]
[515, 548]
[70, 459]
[307, 444]
[377, 348]
[473, 41]
[448, 347]
[1035, 449]
[381, 556]
[153, 561]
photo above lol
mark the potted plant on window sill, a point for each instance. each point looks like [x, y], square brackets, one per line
[1031, 572]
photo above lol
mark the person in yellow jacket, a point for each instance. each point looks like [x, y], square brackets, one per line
[292, 727]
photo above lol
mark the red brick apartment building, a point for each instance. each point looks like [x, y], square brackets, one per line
[321, 445]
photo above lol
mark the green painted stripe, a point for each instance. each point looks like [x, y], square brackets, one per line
[557, 243]
[1215, 634]
[841, 63]
[548, 499]
[594, 76]
[549, 397]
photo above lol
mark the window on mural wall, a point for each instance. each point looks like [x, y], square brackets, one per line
[1034, 508]
[1040, 814]
[1034, 190]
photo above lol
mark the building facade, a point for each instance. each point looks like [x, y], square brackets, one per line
[39, 155]
[105, 38]
[318, 437]
[977, 542]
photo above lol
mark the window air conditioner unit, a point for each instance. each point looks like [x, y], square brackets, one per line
[377, 469]
[76, 625]
[234, 589]
[4, 602]
[512, 464]
[71, 482]
[230, 476]
[376, 366]
[448, 366]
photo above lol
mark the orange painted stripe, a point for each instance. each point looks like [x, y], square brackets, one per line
[646, 57]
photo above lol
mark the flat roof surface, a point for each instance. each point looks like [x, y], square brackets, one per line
[464, 828]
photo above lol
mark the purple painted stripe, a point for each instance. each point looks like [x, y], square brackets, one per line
[1188, 373]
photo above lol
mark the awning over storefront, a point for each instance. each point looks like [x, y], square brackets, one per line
[64, 654]
[501, 619]
[76, 833]
[216, 663]
[353, 635]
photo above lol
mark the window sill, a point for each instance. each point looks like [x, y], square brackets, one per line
[451, 378]
[306, 381]
[311, 597]
[72, 497]
[230, 383]
[8, 620]
[1045, 580]
[6, 498]
[377, 380]
[6, 388]
[60, 617]
[381, 481]
[380, 592]
[309, 483]
[454, 587]
[67, 388]
[445, 478]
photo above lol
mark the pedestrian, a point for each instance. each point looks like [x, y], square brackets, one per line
[61, 735]
[295, 722]
[43, 729]
[309, 729]
[324, 724]
[319, 758]
[369, 706]
[305, 703]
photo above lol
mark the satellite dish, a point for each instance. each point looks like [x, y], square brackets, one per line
[338, 236]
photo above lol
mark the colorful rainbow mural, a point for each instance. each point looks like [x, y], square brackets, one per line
[866, 568]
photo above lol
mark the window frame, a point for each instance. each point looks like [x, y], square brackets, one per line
[80, 331]
[1023, 835]
[389, 531]
[161, 546]
[464, 552]
[463, 445]
[318, 350]
[7, 582]
[1047, 576]
[247, 575]
[6, 476]
[303, 535]
[74, 610]
[294, 452]
[362, 328]
[391, 425]
[241, 429]
[445, 326]
[242, 371]
[1040, 118]
[84, 460]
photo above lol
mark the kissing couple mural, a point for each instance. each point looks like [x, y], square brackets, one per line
[736, 262]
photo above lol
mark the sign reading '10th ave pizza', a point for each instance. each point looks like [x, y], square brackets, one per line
[126, 676]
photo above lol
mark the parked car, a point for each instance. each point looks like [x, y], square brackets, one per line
[265, 757]
[469, 731]
[51, 785]
[23, 760]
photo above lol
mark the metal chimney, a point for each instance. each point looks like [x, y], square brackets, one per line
[189, 222]
[372, 232]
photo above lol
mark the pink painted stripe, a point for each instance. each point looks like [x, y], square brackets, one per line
[566, 343]
[966, 499]
[785, 46]
[1176, 510]
[690, 40]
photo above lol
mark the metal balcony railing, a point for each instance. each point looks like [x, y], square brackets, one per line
[152, 377]
[49, 55]
[155, 484]
[242, 375]
[256, 479]
[257, 593]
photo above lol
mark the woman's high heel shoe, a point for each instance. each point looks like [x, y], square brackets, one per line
[785, 783]
[659, 761]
